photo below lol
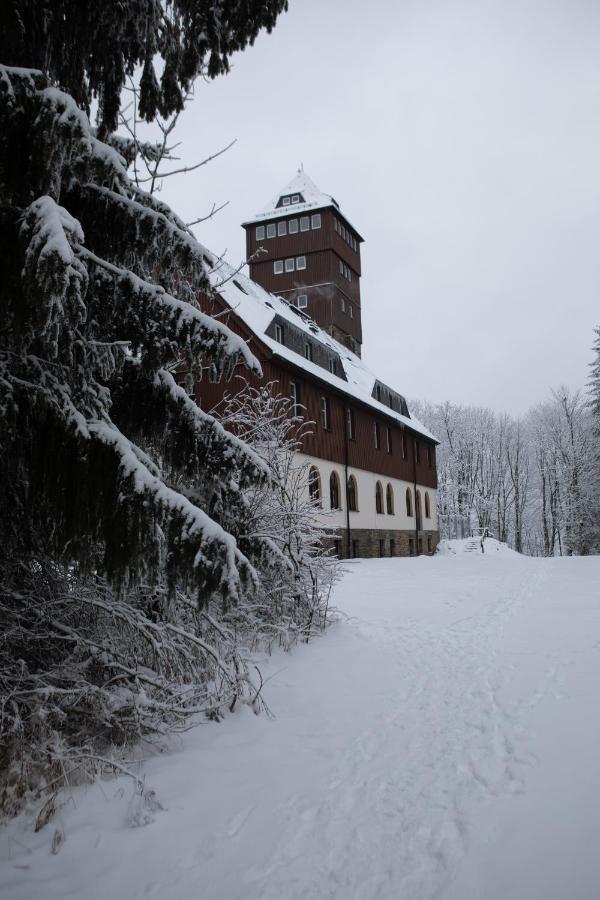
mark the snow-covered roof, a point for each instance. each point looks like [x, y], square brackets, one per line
[310, 197]
[257, 308]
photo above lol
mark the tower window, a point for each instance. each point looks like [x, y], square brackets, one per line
[308, 351]
[289, 265]
[271, 230]
[403, 446]
[315, 221]
[304, 223]
[300, 262]
[278, 266]
[302, 301]
[279, 336]
[281, 229]
[295, 198]
[293, 226]
[260, 233]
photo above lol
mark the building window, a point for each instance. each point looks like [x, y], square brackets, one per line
[308, 351]
[279, 335]
[350, 423]
[304, 223]
[389, 500]
[302, 301]
[341, 267]
[376, 435]
[337, 548]
[289, 265]
[392, 547]
[271, 230]
[278, 266]
[427, 506]
[293, 226]
[332, 365]
[295, 398]
[378, 394]
[409, 508]
[403, 446]
[281, 229]
[352, 494]
[378, 498]
[343, 304]
[260, 233]
[350, 310]
[295, 198]
[420, 546]
[334, 491]
[325, 413]
[389, 439]
[315, 221]
[355, 549]
[381, 547]
[314, 485]
[300, 262]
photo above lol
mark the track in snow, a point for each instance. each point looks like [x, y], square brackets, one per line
[400, 737]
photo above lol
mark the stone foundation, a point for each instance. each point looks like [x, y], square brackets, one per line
[372, 543]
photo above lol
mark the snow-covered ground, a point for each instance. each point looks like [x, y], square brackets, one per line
[441, 740]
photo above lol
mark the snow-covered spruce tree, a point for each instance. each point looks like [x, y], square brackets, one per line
[124, 507]
[283, 511]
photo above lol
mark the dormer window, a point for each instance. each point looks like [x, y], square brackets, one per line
[308, 351]
[289, 265]
[279, 333]
[332, 365]
[285, 201]
[260, 233]
[271, 230]
[295, 198]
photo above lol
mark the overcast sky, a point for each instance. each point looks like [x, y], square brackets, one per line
[462, 139]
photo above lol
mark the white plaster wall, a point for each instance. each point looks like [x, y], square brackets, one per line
[367, 517]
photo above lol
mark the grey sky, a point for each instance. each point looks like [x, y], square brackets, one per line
[463, 141]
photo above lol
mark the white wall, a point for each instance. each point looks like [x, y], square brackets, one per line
[367, 517]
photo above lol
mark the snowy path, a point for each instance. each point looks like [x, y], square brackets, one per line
[442, 741]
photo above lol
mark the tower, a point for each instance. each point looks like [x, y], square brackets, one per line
[303, 248]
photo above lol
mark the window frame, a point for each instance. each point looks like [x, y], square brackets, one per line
[376, 435]
[313, 219]
[280, 333]
[295, 198]
[289, 268]
[277, 267]
[389, 444]
[282, 228]
[295, 398]
[261, 236]
[271, 226]
[390, 505]
[314, 485]
[293, 226]
[308, 351]
[408, 501]
[304, 223]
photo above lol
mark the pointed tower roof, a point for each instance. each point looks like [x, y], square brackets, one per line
[299, 195]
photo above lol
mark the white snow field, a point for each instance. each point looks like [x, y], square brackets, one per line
[441, 740]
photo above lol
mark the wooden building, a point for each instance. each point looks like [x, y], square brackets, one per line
[372, 464]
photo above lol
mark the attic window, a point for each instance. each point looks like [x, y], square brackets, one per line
[332, 365]
[279, 333]
[286, 201]
[293, 226]
[295, 198]
[289, 265]
[271, 230]
[300, 262]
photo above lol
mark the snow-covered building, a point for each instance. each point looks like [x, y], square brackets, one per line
[372, 463]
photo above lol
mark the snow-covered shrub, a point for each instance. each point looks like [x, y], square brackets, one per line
[289, 604]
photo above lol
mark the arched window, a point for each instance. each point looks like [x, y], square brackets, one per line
[418, 509]
[378, 497]
[334, 491]
[352, 494]
[314, 485]
[389, 499]
[427, 506]
[409, 510]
